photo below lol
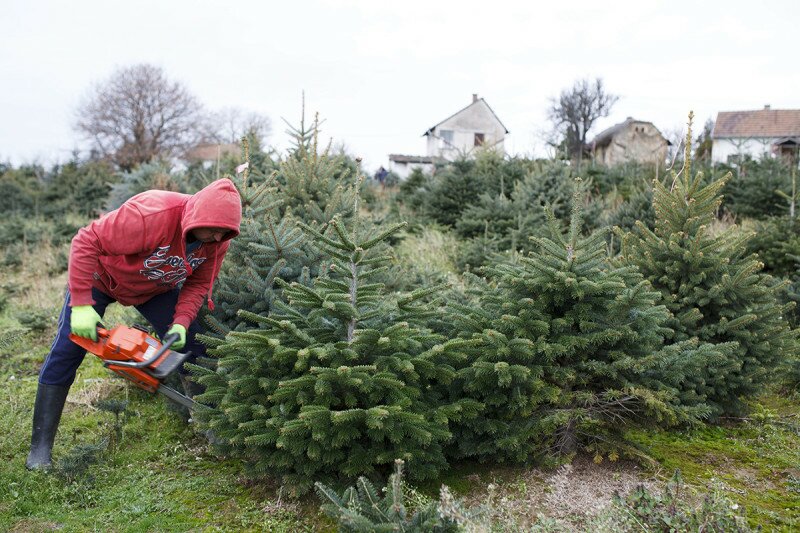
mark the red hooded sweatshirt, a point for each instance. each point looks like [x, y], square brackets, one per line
[139, 250]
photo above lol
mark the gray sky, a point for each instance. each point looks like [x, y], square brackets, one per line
[381, 72]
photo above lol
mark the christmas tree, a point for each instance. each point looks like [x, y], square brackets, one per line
[314, 181]
[307, 187]
[339, 382]
[571, 351]
[260, 253]
[715, 291]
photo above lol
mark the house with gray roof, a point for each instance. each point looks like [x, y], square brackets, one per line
[459, 135]
[630, 140]
[465, 131]
[765, 132]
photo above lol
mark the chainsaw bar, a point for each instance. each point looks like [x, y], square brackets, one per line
[176, 396]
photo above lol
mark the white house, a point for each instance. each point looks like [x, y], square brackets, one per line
[463, 132]
[772, 132]
[459, 135]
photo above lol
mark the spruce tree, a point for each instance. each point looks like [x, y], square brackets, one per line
[714, 289]
[339, 382]
[263, 250]
[308, 187]
[571, 351]
[313, 181]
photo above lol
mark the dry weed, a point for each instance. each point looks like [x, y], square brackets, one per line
[95, 390]
[572, 495]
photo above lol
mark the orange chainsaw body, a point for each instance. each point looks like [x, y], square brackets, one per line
[132, 345]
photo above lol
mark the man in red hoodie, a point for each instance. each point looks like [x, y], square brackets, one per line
[160, 252]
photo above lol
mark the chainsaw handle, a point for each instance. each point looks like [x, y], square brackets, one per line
[169, 340]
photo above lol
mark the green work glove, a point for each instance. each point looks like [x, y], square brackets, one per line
[180, 331]
[83, 321]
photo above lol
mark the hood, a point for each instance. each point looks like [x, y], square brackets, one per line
[218, 205]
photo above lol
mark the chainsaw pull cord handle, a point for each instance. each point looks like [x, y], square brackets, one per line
[169, 340]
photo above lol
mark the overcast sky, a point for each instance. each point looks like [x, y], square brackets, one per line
[382, 72]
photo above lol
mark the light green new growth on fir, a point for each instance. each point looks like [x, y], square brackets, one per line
[714, 290]
[338, 382]
[571, 351]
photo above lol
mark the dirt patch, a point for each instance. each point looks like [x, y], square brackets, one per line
[572, 494]
[25, 526]
[93, 391]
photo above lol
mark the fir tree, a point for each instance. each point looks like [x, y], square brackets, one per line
[313, 181]
[570, 352]
[261, 252]
[308, 187]
[339, 382]
[715, 291]
[148, 176]
[362, 509]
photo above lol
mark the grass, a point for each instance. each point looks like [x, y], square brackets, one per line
[162, 476]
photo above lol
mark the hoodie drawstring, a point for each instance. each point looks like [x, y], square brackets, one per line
[211, 305]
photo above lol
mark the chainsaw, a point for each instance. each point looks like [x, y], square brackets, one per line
[139, 358]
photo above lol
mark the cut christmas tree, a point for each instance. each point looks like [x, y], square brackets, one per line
[339, 382]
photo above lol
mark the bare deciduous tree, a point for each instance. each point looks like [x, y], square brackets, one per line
[138, 115]
[229, 125]
[576, 110]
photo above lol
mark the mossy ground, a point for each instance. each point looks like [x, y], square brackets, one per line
[755, 459]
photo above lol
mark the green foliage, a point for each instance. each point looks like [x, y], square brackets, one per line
[759, 188]
[625, 178]
[40, 238]
[638, 207]
[309, 188]
[339, 382]
[500, 223]
[76, 463]
[77, 187]
[362, 509]
[673, 510]
[20, 189]
[314, 181]
[569, 351]
[790, 372]
[778, 240]
[715, 291]
[119, 409]
[413, 192]
[36, 320]
[460, 184]
[145, 177]
[9, 337]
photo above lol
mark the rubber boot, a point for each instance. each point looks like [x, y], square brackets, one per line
[46, 415]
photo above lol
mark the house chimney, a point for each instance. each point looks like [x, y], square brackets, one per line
[766, 107]
[474, 97]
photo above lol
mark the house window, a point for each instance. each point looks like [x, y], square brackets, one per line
[447, 138]
[479, 139]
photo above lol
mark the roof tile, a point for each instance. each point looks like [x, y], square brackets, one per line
[761, 123]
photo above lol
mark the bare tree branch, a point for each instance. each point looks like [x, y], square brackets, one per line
[138, 115]
[576, 110]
